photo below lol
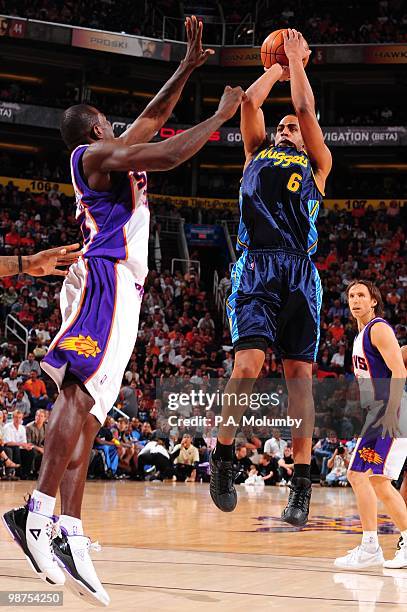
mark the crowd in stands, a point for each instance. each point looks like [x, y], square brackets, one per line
[131, 17]
[351, 21]
[182, 340]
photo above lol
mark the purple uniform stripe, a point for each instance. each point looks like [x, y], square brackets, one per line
[83, 345]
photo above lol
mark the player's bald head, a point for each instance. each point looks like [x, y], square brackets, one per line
[76, 124]
[83, 124]
[289, 119]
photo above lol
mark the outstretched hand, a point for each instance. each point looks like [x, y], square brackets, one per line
[47, 263]
[195, 55]
[230, 101]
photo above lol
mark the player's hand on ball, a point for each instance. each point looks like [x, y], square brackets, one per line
[286, 74]
[230, 102]
[295, 46]
[195, 55]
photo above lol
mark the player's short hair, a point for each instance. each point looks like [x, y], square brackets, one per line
[76, 124]
[374, 293]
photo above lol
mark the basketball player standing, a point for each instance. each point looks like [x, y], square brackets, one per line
[100, 304]
[276, 291]
[381, 450]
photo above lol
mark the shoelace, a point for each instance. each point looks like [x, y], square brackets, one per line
[57, 532]
[89, 544]
[400, 548]
[298, 496]
[226, 475]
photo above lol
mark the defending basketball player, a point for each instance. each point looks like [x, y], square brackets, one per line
[381, 450]
[276, 291]
[100, 304]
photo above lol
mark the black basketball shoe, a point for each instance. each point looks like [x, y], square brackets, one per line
[221, 486]
[297, 508]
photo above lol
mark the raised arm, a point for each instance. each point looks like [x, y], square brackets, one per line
[103, 157]
[158, 111]
[304, 104]
[252, 123]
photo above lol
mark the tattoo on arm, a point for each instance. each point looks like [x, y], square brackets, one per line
[8, 266]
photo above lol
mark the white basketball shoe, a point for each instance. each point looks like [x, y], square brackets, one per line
[33, 533]
[400, 558]
[357, 558]
[72, 554]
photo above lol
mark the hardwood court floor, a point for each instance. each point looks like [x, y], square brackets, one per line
[166, 547]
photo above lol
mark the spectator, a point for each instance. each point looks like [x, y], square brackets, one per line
[128, 396]
[242, 464]
[126, 450]
[15, 438]
[154, 453]
[107, 445]
[37, 391]
[275, 446]
[28, 365]
[268, 469]
[186, 460]
[22, 403]
[338, 466]
[206, 323]
[13, 380]
[338, 359]
[35, 433]
[324, 450]
[286, 465]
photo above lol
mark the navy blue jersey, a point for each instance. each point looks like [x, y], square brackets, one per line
[279, 201]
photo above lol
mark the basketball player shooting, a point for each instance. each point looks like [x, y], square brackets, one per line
[276, 291]
[100, 304]
[381, 450]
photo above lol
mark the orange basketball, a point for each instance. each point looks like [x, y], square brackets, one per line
[272, 50]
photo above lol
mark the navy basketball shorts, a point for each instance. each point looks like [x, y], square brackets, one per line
[276, 296]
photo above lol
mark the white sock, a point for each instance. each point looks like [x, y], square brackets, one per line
[404, 536]
[370, 541]
[71, 524]
[42, 503]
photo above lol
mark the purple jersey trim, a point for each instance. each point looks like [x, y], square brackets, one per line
[377, 365]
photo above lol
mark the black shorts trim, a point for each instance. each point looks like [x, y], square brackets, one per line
[252, 342]
[298, 358]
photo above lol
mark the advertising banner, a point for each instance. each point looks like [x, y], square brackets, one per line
[28, 114]
[13, 28]
[359, 54]
[37, 185]
[46, 117]
[120, 43]
[240, 56]
[16, 27]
